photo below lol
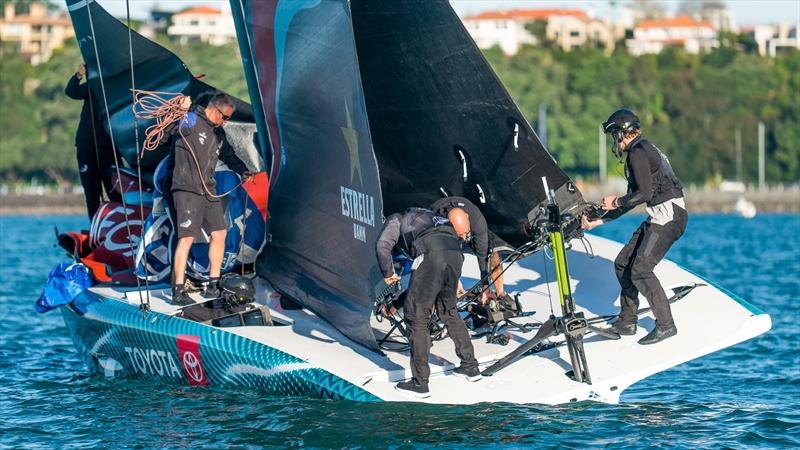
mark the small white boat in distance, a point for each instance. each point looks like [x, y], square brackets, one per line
[744, 208]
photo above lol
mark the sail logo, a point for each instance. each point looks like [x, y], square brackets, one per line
[359, 207]
[189, 352]
[152, 362]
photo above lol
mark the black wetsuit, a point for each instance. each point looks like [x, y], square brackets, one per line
[477, 224]
[93, 149]
[651, 180]
[436, 249]
[193, 209]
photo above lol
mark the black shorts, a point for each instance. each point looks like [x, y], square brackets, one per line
[195, 212]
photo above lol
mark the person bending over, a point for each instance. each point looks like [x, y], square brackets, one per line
[652, 181]
[195, 152]
[434, 243]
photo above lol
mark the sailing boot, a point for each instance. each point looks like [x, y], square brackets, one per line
[659, 334]
[413, 387]
[180, 297]
[212, 290]
[472, 374]
[623, 328]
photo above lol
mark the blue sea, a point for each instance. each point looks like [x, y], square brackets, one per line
[747, 396]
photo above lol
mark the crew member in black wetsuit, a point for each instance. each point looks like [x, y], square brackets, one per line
[652, 181]
[94, 149]
[434, 243]
[199, 141]
[478, 239]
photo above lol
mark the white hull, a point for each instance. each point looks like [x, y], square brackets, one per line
[708, 320]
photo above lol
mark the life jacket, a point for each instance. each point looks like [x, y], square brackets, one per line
[666, 185]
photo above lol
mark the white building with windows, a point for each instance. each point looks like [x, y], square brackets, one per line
[652, 36]
[204, 24]
[772, 38]
[35, 34]
[568, 28]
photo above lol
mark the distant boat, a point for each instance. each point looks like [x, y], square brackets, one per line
[744, 208]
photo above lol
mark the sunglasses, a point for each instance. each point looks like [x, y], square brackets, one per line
[225, 117]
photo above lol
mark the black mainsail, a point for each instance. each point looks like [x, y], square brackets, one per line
[441, 121]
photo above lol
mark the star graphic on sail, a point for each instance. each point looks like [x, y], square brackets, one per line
[351, 137]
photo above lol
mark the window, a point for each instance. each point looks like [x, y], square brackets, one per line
[194, 23]
[574, 33]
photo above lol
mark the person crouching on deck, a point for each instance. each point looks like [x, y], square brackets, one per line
[197, 146]
[434, 243]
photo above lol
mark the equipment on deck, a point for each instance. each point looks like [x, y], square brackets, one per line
[236, 289]
[573, 325]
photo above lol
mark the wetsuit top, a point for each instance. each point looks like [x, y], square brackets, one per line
[651, 179]
[405, 233]
[477, 224]
[77, 91]
[197, 133]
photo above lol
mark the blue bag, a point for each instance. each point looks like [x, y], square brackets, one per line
[65, 282]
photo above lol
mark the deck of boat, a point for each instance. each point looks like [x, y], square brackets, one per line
[537, 378]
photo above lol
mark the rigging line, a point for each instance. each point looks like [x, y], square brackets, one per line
[94, 131]
[244, 229]
[114, 150]
[547, 283]
[146, 306]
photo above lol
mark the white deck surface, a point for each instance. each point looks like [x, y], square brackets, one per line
[537, 378]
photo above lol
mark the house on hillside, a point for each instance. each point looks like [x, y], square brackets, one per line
[772, 38]
[35, 34]
[569, 29]
[652, 36]
[203, 24]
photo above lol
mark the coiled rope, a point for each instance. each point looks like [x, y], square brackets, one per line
[165, 111]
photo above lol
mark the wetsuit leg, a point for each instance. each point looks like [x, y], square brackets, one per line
[422, 291]
[91, 178]
[446, 307]
[656, 241]
[629, 296]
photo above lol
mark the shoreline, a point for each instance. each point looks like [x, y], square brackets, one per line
[698, 201]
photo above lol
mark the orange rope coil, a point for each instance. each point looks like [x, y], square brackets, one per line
[156, 105]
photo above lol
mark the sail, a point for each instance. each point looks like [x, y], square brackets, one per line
[442, 122]
[325, 200]
[103, 42]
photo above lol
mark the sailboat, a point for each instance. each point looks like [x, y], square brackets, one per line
[361, 109]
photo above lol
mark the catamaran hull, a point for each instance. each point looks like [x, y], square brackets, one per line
[116, 340]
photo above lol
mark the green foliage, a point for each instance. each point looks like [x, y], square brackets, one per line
[690, 105]
[38, 121]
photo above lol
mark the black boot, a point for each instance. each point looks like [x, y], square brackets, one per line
[180, 297]
[658, 334]
[470, 373]
[623, 328]
[413, 387]
[212, 290]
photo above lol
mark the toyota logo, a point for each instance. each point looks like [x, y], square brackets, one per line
[192, 365]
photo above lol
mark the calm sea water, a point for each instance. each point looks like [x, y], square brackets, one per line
[745, 396]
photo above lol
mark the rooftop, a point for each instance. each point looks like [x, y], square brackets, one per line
[200, 10]
[529, 14]
[676, 22]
